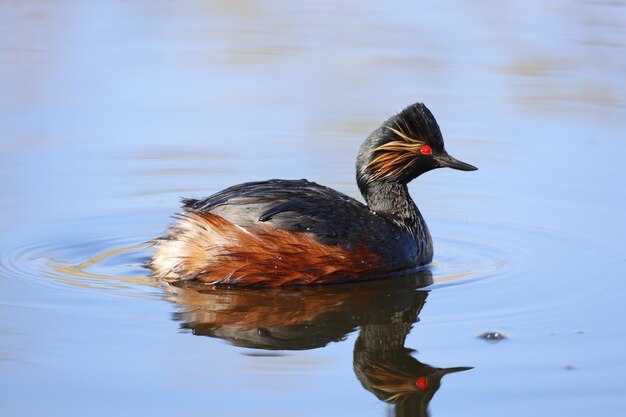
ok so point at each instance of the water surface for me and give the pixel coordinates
(112, 111)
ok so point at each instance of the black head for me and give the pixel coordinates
(404, 147)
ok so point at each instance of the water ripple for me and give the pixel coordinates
(59, 266)
(482, 252)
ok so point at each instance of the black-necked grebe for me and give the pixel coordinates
(286, 232)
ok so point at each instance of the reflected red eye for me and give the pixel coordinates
(421, 383)
(425, 150)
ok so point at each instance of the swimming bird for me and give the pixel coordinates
(296, 232)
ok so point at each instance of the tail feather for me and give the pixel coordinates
(188, 203)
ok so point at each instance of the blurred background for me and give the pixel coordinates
(111, 111)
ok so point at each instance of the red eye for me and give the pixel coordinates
(421, 383)
(425, 150)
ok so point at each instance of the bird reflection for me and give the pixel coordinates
(386, 368)
(312, 317)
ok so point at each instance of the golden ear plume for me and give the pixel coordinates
(396, 156)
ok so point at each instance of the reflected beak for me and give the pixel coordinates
(446, 160)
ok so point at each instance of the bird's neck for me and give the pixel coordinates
(392, 200)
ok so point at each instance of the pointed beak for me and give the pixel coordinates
(441, 372)
(446, 160)
(456, 369)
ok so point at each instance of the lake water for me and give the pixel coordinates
(111, 111)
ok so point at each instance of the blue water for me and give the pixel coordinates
(112, 111)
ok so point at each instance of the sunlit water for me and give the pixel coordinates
(110, 112)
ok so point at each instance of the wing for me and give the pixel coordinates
(327, 215)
